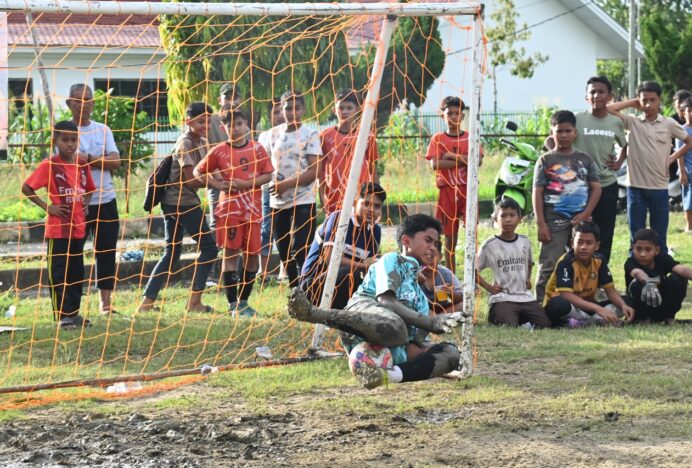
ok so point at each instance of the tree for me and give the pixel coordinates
(503, 36)
(263, 56)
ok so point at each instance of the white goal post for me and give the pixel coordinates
(391, 12)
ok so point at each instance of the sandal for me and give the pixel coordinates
(71, 322)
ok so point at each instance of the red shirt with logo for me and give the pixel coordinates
(245, 163)
(67, 184)
(442, 143)
(337, 151)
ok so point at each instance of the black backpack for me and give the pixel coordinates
(157, 183)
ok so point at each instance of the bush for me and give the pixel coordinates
(21, 211)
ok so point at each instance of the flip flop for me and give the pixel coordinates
(206, 310)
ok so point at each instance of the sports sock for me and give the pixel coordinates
(248, 282)
(230, 281)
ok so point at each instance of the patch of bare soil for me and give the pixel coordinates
(294, 431)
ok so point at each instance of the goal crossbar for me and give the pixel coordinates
(232, 9)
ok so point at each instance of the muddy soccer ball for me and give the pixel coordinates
(369, 355)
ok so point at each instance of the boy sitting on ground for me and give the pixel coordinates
(657, 284)
(361, 246)
(508, 255)
(389, 309)
(441, 286)
(570, 294)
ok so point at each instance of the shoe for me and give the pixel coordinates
(577, 323)
(527, 326)
(370, 376)
(71, 322)
(244, 309)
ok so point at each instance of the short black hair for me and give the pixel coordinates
(348, 95)
(588, 227)
(452, 101)
(65, 126)
(649, 87)
(374, 188)
(647, 235)
(229, 114)
(687, 103)
(198, 108)
(416, 223)
(275, 101)
(563, 116)
(229, 89)
(681, 95)
(295, 96)
(600, 79)
(507, 203)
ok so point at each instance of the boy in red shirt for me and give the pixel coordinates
(245, 164)
(338, 145)
(70, 186)
(448, 153)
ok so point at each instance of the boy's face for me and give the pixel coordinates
(199, 125)
(369, 208)
(507, 219)
(346, 111)
(564, 135)
(237, 129)
(422, 246)
(232, 100)
(650, 103)
(687, 115)
(597, 95)
(81, 103)
(585, 245)
(645, 251)
(293, 112)
(453, 116)
(677, 104)
(277, 116)
(67, 143)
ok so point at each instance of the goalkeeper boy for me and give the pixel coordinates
(390, 309)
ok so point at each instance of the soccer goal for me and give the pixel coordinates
(143, 64)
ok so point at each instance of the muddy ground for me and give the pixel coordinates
(306, 430)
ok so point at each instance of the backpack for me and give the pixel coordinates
(157, 183)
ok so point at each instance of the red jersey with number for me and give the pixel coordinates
(337, 150)
(238, 163)
(67, 184)
(442, 143)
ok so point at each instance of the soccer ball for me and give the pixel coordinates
(369, 355)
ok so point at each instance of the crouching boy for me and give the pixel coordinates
(508, 255)
(389, 309)
(657, 284)
(570, 295)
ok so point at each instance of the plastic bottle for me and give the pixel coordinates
(124, 387)
(11, 311)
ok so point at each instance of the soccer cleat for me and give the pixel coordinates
(370, 376)
(244, 309)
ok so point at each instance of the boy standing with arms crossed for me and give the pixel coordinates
(338, 147)
(649, 159)
(448, 153)
(565, 192)
(245, 165)
(70, 186)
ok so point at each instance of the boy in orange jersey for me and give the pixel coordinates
(338, 146)
(245, 164)
(448, 153)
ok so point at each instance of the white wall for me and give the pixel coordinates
(572, 47)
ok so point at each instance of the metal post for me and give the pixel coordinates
(371, 99)
(466, 360)
(631, 58)
(4, 88)
(39, 62)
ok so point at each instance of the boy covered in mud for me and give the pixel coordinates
(389, 309)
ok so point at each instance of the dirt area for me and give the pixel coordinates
(304, 430)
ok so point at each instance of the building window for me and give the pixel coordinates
(21, 91)
(150, 94)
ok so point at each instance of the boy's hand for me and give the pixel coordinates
(608, 315)
(544, 233)
(220, 185)
(528, 284)
(614, 164)
(683, 177)
(579, 218)
(628, 311)
(237, 184)
(495, 288)
(62, 211)
(277, 188)
(670, 161)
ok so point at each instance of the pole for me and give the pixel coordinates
(4, 89)
(371, 99)
(631, 59)
(41, 71)
(466, 360)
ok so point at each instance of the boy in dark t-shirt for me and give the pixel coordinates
(657, 284)
(362, 244)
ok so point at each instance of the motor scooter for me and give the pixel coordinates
(515, 177)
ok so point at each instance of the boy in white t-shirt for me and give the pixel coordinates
(508, 255)
(294, 151)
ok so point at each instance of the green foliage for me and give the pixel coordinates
(402, 135)
(263, 56)
(21, 211)
(616, 71)
(31, 128)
